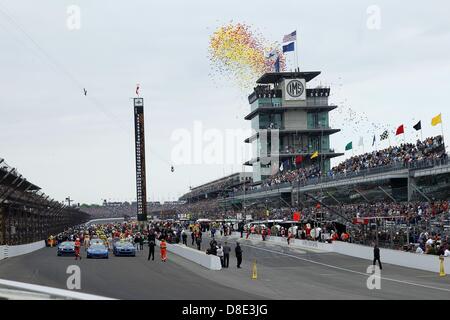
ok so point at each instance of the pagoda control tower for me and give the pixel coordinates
(290, 124)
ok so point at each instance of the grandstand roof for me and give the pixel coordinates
(222, 179)
(11, 177)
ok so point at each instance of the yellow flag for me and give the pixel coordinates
(436, 120)
(315, 155)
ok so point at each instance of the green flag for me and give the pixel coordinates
(349, 146)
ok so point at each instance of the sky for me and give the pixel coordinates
(386, 62)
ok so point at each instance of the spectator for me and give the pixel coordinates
(238, 251)
(220, 254)
(376, 256)
(226, 255)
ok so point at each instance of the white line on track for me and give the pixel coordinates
(347, 270)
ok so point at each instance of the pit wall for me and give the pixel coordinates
(197, 256)
(396, 257)
(13, 251)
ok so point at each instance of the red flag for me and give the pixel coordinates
(298, 159)
(296, 216)
(400, 130)
(360, 221)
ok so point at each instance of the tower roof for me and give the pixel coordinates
(276, 77)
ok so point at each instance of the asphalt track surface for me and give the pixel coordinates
(283, 273)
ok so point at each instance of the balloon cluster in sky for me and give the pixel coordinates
(239, 54)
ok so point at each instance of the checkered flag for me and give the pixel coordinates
(385, 135)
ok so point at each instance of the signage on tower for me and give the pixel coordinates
(138, 102)
(294, 89)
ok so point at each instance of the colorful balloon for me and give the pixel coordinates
(237, 54)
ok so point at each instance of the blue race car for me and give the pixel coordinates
(124, 248)
(96, 241)
(66, 248)
(97, 251)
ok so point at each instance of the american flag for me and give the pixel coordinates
(290, 37)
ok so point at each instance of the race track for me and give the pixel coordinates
(283, 273)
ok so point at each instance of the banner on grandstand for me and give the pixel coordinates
(360, 221)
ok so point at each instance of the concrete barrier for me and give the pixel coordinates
(396, 257)
(208, 261)
(12, 251)
(297, 243)
(425, 262)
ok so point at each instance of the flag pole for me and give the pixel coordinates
(296, 49)
(442, 132)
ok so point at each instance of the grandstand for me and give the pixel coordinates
(393, 196)
(123, 209)
(218, 187)
(407, 172)
(27, 214)
(399, 192)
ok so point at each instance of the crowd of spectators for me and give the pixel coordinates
(429, 149)
(405, 154)
(121, 209)
(203, 208)
(117, 210)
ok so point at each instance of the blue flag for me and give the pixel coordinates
(288, 47)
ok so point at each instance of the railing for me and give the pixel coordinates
(304, 151)
(423, 164)
(264, 93)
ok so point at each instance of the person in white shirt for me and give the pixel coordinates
(219, 253)
(447, 253)
(110, 243)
